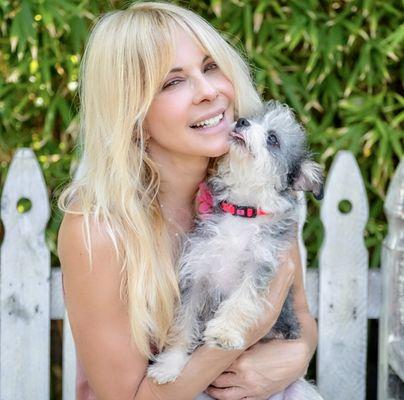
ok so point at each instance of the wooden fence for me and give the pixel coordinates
(343, 294)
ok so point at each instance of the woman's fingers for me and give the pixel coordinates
(283, 280)
(280, 285)
(226, 379)
(231, 393)
(277, 292)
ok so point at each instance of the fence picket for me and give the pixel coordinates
(301, 221)
(25, 284)
(343, 285)
(58, 311)
(391, 326)
(69, 362)
(343, 294)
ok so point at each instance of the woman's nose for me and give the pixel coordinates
(204, 89)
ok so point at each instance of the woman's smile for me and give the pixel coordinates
(217, 124)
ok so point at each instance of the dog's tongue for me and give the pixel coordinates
(237, 135)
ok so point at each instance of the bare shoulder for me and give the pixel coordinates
(98, 317)
(73, 244)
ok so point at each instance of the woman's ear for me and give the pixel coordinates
(308, 178)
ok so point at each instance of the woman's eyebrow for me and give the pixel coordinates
(179, 69)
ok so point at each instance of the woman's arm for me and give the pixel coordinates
(98, 318)
(268, 368)
(101, 329)
(207, 363)
(301, 307)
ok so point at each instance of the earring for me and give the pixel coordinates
(146, 138)
(138, 140)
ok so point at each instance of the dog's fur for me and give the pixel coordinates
(228, 261)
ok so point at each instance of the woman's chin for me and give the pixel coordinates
(219, 150)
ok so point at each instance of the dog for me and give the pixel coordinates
(230, 257)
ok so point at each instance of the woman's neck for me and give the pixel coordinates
(179, 178)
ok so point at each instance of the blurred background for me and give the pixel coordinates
(336, 63)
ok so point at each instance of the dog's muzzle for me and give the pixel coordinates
(241, 124)
(238, 130)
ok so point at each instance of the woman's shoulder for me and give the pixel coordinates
(78, 238)
(72, 217)
(74, 222)
(87, 256)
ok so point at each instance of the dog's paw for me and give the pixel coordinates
(160, 374)
(168, 366)
(223, 337)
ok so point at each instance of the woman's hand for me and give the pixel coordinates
(275, 298)
(266, 368)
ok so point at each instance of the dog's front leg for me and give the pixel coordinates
(183, 338)
(168, 365)
(236, 315)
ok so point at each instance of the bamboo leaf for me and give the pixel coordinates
(396, 139)
(248, 27)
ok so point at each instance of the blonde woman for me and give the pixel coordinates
(148, 73)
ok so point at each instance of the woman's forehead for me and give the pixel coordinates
(186, 44)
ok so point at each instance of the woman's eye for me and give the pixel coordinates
(211, 66)
(175, 82)
(171, 83)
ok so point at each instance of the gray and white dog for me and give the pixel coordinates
(230, 257)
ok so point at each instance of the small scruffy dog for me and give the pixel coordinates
(230, 257)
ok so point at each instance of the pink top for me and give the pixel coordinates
(205, 200)
(83, 389)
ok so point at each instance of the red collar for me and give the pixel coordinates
(241, 211)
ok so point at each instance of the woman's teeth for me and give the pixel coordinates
(209, 122)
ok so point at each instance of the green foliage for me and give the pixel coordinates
(40, 51)
(336, 63)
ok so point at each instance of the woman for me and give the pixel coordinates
(148, 73)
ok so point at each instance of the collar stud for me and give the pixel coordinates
(241, 211)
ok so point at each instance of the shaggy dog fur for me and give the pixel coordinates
(228, 261)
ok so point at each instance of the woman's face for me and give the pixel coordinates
(195, 91)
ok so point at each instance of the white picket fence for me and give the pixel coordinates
(343, 294)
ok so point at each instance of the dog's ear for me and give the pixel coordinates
(308, 178)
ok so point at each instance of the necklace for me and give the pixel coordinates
(167, 214)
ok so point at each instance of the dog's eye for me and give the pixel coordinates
(272, 140)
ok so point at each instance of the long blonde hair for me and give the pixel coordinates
(127, 56)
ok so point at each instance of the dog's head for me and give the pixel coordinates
(269, 150)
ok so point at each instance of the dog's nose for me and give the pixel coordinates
(242, 122)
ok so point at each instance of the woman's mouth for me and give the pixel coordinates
(210, 124)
